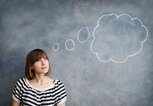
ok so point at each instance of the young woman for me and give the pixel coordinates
(37, 89)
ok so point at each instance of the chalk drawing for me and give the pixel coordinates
(83, 35)
(125, 21)
(55, 46)
(69, 45)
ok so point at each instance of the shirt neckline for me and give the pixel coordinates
(43, 89)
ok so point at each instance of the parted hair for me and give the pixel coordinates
(32, 57)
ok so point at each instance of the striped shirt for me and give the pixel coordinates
(27, 95)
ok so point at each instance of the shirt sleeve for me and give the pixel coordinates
(62, 96)
(16, 95)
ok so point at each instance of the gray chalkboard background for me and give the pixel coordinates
(101, 49)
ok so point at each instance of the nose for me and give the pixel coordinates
(42, 61)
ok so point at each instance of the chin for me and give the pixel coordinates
(45, 72)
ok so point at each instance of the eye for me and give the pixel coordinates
(37, 60)
(45, 58)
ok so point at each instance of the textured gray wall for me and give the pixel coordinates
(101, 50)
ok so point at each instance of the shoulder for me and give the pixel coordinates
(60, 91)
(20, 82)
(59, 83)
(56, 81)
(19, 86)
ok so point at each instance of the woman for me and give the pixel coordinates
(37, 89)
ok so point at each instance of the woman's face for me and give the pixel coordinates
(41, 66)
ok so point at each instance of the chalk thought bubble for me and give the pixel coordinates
(69, 45)
(118, 37)
(55, 46)
(83, 35)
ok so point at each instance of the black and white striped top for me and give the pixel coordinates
(27, 95)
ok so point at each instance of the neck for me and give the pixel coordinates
(40, 79)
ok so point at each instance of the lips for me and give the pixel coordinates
(43, 67)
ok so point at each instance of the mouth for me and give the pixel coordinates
(43, 67)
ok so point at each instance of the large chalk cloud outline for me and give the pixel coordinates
(118, 37)
(115, 38)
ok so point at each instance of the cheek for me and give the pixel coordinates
(47, 63)
(35, 66)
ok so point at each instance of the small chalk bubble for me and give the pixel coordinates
(69, 45)
(83, 35)
(55, 46)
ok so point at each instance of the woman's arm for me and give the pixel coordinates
(61, 104)
(15, 103)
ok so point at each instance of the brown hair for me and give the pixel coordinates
(32, 57)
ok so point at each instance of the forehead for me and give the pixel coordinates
(40, 55)
(36, 56)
